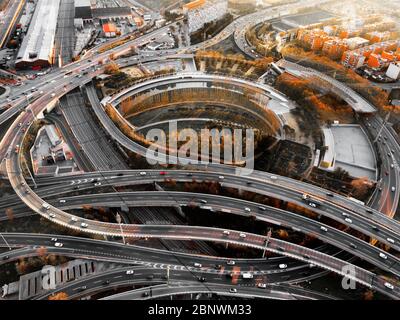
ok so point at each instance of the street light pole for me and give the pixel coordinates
(383, 124)
(30, 109)
(266, 242)
(30, 174)
(168, 276)
(5, 241)
(119, 220)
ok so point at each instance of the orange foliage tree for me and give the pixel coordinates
(59, 296)
(10, 214)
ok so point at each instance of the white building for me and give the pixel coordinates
(393, 71)
(38, 44)
(356, 42)
(160, 23)
(53, 135)
(83, 12)
(208, 12)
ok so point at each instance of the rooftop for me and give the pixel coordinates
(82, 3)
(38, 42)
(111, 12)
(305, 19)
(109, 27)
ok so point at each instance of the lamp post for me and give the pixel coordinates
(168, 276)
(381, 128)
(119, 220)
(266, 242)
(5, 241)
(31, 110)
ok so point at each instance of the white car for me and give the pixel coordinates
(382, 255)
(58, 244)
(130, 271)
(97, 184)
(247, 209)
(230, 263)
(324, 229)
(226, 233)
(142, 173)
(54, 239)
(348, 220)
(242, 235)
(52, 215)
(74, 219)
(197, 265)
(393, 189)
(282, 266)
(63, 201)
(262, 285)
(344, 214)
(233, 290)
(390, 240)
(388, 285)
(221, 177)
(84, 225)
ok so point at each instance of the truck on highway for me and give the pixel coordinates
(45, 206)
(206, 208)
(356, 200)
(247, 275)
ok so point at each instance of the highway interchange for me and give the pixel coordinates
(369, 221)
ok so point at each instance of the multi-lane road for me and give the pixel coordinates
(8, 18)
(65, 185)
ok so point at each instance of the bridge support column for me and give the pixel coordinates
(177, 208)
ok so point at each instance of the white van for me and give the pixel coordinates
(382, 255)
(388, 285)
(390, 240)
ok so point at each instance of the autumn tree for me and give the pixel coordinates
(10, 214)
(22, 266)
(368, 295)
(283, 234)
(59, 296)
(41, 252)
(111, 68)
(361, 186)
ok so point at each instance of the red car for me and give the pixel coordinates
(163, 173)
